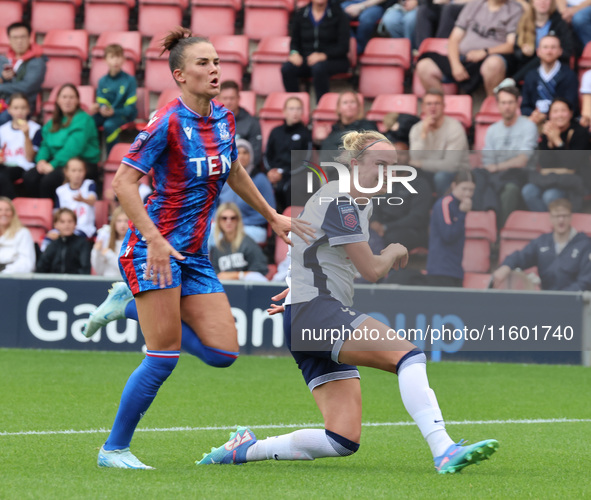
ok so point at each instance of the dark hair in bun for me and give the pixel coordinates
(176, 42)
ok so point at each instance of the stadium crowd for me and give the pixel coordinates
(504, 97)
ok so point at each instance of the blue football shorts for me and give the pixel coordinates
(318, 359)
(195, 275)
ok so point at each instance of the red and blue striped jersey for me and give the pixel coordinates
(191, 156)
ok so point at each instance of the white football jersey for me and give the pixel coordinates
(322, 267)
(84, 212)
(12, 143)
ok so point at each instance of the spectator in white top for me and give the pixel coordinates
(19, 141)
(17, 250)
(585, 92)
(104, 257)
(79, 195)
(438, 143)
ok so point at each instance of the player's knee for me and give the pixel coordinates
(343, 446)
(410, 358)
(219, 358)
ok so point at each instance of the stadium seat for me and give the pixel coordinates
(99, 68)
(214, 17)
(267, 60)
(585, 60)
(153, 15)
(476, 280)
(87, 98)
(233, 52)
(476, 256)
(108, 185)
(49, 15)
(325, 116)
(460, 108)
(248, 101)
(352, 56)
(143, 105)
(266, 18)
(481, 231)
(482, 225)
(391, 103)
(281, 247)
(36, 214)
(157, 76)
(438, 45)
(520, 228)
(67, 51)
(101, 16)
(271, 114)
(4, 45)
(101, 213)
(382, 66)
(582, 223)
(131, 41)
(167, 95)
(12, 12)
(488, 114)
(116, 154)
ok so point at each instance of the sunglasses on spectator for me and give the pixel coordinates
(230, 217)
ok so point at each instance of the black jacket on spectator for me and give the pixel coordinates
(282, 141)
(249, 128)
(248, 257)
(66, 255)
(562, 31)
(567, 87)
(570, 270)
(334, 139)
(407, 223)
(330, 36)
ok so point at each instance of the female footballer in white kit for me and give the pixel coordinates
(321, 297)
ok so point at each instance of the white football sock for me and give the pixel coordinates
(305, 444)
(421, 404)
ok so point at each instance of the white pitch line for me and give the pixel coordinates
(292, 426)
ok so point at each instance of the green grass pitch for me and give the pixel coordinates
(79, 391)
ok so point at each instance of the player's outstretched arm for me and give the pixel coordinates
(243, 186)
(373, 267)
(159, 250)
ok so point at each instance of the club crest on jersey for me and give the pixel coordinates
(139, 141)
(188, 132)
(224, 134)
(349, 217)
